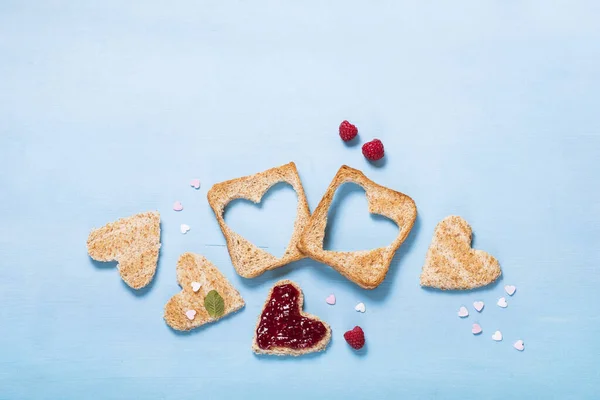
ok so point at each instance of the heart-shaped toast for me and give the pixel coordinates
(133, 242)
(451, 263)
(366, 268)
(206, 294)
(284, 329)
(249, 260)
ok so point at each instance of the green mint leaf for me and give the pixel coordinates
(214, 304)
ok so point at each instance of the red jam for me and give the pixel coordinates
(282, 325)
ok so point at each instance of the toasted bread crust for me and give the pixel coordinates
(451, 263)
(366, 268)
(195, 268)
(249, 260)
(134, 242)
(283, 351)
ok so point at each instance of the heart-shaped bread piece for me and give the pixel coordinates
(134, 242)
(248, 260)
(284, 329)
(366, 268)
(206, 294)
(451, 263)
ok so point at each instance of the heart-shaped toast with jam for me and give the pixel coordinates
(284, 329)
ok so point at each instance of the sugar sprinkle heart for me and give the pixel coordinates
(476, 330)
(519, 345)
(330, 299)
(177, 206)
(502, 302)
(190, 314)
(195, 183)
(184, 228)
(196, 286)
(360, 307)
(497, 336)
(478, 305)
(463, 312)
(510, 289)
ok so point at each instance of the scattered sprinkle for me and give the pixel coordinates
(497, 336)
(463, 312)
(510, 289)
(360, 307)
(502, 302)
(184, 228)
(177, 206)
(195, 183)
(478, 305)
(330, 299)
(190, 314)
(519, 345)
(196, 286)
(476, 330)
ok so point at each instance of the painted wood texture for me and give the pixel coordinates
(488, 110)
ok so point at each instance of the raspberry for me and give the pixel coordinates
(373, 150)
(347, 131)
(355, 338)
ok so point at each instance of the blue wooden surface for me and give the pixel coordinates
(488, 109)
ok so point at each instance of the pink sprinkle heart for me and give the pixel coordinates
(476, 330)
(190, 314)
(463, 312)
(510, 289)
(478, 305)
(330, 299)
(177, 206)
(519, 345)
(195, 183)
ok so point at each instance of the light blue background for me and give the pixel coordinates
(487, 109)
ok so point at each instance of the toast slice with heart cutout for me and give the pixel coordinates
(366, 268)
(134, 242)
(283, 329)
(206, 294)
(451, 263)
(248, 260)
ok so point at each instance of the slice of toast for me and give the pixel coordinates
(366, 268)
(302, 327)
(451, 263)
(248, 260)
(194, 272)
(134, 242)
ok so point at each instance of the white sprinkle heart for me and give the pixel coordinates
(502, 302)
(360, 307)
(195, 183)
(331, 299)
(476, 330)
(184, 228)
(190, 314)
(177, 206)
(478, 305)
(196, 286)
(497, 336)
(510, 289)
(463, 312)
(519, 345)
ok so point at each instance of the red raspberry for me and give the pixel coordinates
(355, 338)
(347, 131)
(373, 150)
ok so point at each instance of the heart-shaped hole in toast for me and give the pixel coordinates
(350, 226)
(248, 259)
(268, 224)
